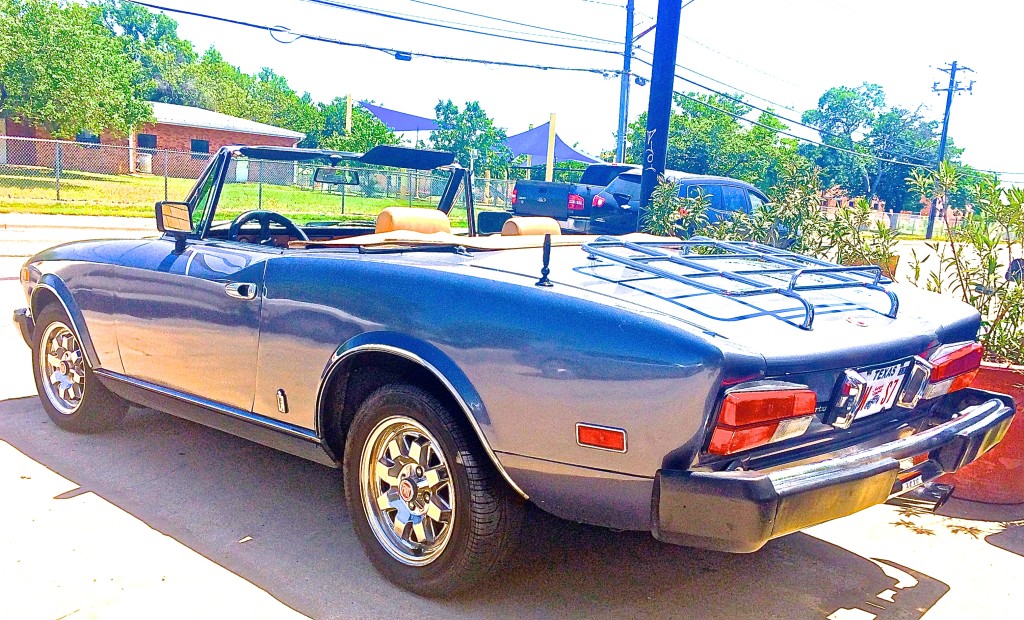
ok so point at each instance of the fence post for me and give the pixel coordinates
(56, 166)
(259, 175)
(165, 175)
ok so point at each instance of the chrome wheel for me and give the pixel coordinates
(406, 490)
(62, 368)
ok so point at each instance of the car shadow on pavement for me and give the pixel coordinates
(210, 491)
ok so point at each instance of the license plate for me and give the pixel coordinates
(884, 385)
(913, 483)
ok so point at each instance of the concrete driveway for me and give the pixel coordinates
(167, 519)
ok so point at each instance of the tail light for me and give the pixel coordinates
(597, 202)
(954, 367)
(575, 202)
(760, 414)
(515, 196)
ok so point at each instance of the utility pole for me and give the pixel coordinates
(953, 88)
(659, 109)
(627, 59)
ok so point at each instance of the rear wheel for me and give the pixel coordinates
(71, 394)
(429, 509)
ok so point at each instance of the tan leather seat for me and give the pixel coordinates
(426, 221)
(514, 226)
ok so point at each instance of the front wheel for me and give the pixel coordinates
(429, 509)
(71, 394)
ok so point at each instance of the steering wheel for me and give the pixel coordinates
(265, 218)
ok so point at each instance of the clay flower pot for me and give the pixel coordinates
(997, 477)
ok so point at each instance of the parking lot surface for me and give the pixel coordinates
(167, 519)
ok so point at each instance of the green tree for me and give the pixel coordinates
(152, 40)
(706, 140)
(63, 71)
(367, 130)
(471, 131)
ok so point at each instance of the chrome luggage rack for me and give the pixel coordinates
(765, 261)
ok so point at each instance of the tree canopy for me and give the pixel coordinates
(60, 70)
(470, 133)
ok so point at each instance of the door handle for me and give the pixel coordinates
(240, 290)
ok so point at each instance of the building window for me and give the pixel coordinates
(88, 140)
(200, 149)
(146, 141)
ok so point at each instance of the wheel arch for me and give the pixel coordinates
(347, 380)
(51, 289)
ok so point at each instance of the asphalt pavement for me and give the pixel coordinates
(164, 518)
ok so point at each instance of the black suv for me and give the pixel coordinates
(616, 210)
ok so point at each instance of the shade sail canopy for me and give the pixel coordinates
(400, 121)
(534, 142)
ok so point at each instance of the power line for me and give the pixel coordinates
(771, 113)
(402, 55)
(515, 23)
(725, 84)
(739, 62)
(424, 22)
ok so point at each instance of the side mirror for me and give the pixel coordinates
(174, 218)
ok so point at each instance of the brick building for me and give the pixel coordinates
(192, 134)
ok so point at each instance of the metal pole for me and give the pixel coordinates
(659, 110)
(259, 173)
(56, 166)
(165, 175)
(549, 169)
(942, 143)
(620, 144)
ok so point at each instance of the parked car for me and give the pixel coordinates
(567, 203)
(616, 210)
(717, 395)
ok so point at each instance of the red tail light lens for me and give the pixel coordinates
(954, 367)
(575, 202)
(515, 196)
(598, 201)
(760, 415)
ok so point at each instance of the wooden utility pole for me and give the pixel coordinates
(953, 88)
(620, 143)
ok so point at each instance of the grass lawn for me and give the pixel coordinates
(26, 189)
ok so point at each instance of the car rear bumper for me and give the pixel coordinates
(23, 317)
(739, 511)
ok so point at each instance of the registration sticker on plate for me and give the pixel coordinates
(884, 385)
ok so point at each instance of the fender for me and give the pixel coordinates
(53, 284)
(430, 358)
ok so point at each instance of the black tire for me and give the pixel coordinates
(91, 407)
(485, 517)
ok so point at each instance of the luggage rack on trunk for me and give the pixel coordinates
(765, 261)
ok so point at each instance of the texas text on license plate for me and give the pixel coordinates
(883, 387)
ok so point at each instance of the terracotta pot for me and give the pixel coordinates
(997, 477)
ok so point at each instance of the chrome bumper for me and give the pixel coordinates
(740, 511)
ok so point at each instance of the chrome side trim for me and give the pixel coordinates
(253, 418)
(383, 348)
(86, 341)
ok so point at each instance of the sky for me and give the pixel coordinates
(785, 51)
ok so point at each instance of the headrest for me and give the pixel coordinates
(427, 221)
(530, 226)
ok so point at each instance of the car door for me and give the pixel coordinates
(189, 321)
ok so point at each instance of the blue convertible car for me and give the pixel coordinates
(457, 365)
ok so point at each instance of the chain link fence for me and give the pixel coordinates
(60, 176)
(82, 177)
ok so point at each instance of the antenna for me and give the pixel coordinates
(545, 270)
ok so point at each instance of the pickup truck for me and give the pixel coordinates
(567, 203)
(616, 210)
